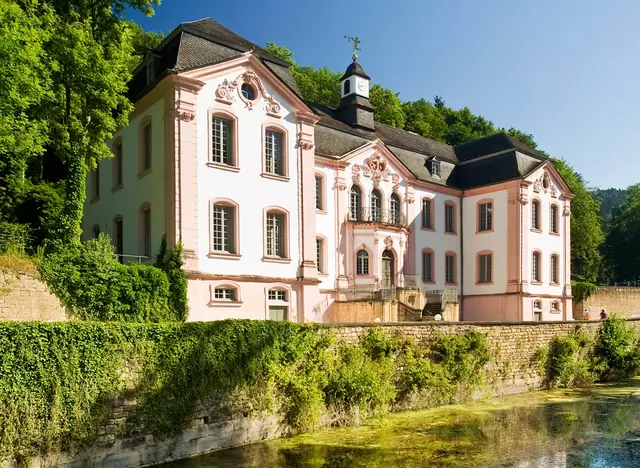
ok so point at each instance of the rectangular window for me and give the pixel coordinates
(147, 147)
(449, 269)
(435, 168)
(427, 267)
(554, 269)
(449, 225)
(554, 219)
(119, 240)
(275, 295)
(426, 214)
(535, 215)
(486, 217)
(275, 235)
(319, 193)
(273, 153)
(146, 226)
(118, 164)
(221, 146)
(225, 294)
(320, 255)
(535, 267)
(223, 226)
(95, 182)
(484, 273)
(278, 313)
(362, 263)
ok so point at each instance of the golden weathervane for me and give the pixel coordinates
(355, 41)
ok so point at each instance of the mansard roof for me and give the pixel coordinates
(486, 161)
(201, 43)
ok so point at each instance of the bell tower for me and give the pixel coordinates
(355, 108)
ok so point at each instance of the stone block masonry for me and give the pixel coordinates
(624, 301)
(220, 423)
(24, 297)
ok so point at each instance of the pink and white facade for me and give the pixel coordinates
(282, 205)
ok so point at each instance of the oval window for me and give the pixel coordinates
(248, 92)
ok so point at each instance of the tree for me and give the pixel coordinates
(387, 106)
(142, 41)
(586, 228)
(425, 119)
(280, 51)
(622, 247)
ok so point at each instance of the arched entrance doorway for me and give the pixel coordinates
(388, 264)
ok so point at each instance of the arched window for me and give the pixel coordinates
(376, 205)
(553, 269)
(116, 165)
(320, 202)
(276, 234)
(145, 230)
(362, 262)
(275, 152)
(321, 251)
(395, 213)
(355, 203)
(553, 222)
(223, 228)
(450, 276)
(223, 140)
(347, 87)
(485, 267)
(536, 275)
(535, 215)
(225, 293)
(449, 217)
(428, 258)
(118, 237)
(145, 149)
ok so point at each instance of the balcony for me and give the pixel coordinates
(376, 215)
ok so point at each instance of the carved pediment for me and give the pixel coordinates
(228, 91)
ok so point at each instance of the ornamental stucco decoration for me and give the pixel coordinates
(340, 183)
(376, 168)
(226, 92)
(388, 242)
(523, 198)
(305, 141)
(566, 211)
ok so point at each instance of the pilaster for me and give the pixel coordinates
(307, 200)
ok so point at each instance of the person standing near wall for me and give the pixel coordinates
(586, 315)
(603, 314)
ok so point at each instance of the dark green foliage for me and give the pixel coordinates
(94, 285)
(58, 380)
(578, 360)
(568, 361)
(582, 290)
(14, 238)
(39, 209)
(616, 353)
(622, 247)
(172, 266)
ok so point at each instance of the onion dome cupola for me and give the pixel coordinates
(355, 108)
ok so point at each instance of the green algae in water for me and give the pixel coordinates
(586, 428)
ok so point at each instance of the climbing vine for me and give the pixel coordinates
(58, 380)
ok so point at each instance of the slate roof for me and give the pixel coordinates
(200, 43)
(466, 166)
(474, 164)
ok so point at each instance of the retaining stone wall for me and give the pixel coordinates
(220, 424)
(623, 301)
(23, 297)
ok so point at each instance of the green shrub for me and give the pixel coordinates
(616, 353)
(13, 238)
(569, 362)
(177, 277)
(94, 285)
(582, 290)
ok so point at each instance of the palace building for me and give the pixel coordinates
(289, 210)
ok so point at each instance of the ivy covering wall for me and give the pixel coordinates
(57, 381)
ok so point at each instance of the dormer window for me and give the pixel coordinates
(435, 168)
(151, 73)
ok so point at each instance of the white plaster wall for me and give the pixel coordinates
(495, 241)
(544, 241)
(436, 240)
(326, 222)
(252, 192)
(135, 190)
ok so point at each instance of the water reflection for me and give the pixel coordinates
(597, 428)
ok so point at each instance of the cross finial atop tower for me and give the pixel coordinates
(355, 41)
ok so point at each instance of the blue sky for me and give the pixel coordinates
(567, 71)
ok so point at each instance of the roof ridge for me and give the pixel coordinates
(414, 134)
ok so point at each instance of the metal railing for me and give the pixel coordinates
(377, 215)
(413, 282)
(123, 258)
(360, 292)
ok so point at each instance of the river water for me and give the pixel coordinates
(593, 428)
